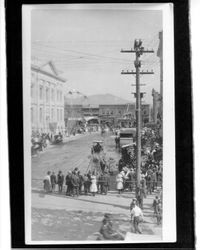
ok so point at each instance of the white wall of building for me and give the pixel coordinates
(47, 102)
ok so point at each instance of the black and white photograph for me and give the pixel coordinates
(99, 133)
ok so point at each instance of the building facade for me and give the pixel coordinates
(158, 97)
(122, 115)
(90, 110)
(47, 99)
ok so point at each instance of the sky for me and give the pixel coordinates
(85, 45)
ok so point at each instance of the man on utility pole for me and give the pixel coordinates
(138, 50)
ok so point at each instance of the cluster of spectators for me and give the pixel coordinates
(39, 141)
(75, 183)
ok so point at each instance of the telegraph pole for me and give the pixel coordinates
(138, 50)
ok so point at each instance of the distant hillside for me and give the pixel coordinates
(96, 100)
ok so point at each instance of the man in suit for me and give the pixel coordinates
(75, 183)
(104, 183)
(131, 178)
(60, 181)
(53, 181)
(68, 183)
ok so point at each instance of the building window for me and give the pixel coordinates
(57, 115)
(61, 115)
(52, 114)
(60, 96)
(47, 94)
(57, 95)
(52, 95)
(111, 112)
(41, 92)
(120, 112)
(32, 115)
(32, 90)
(41, 115)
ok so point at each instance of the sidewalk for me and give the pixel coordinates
(89, 211)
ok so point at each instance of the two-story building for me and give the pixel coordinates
(114, 114)
(47, 99)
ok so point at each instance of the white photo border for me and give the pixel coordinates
(169, 177)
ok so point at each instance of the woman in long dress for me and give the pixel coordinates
(93, 187)
(119, 180)
(47, 182)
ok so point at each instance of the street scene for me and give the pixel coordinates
(96, 125)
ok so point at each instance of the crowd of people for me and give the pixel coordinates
(75, 183)
(39, 141)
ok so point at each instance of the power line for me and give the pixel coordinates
(84, 53)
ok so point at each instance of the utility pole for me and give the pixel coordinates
(141, 97)
(138, 50)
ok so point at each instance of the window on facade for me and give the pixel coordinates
(32, 115)
(41, 115)
(57, 115)
(60, 114)
(52, 95)
(111, 112)
(47, 94)
(60, 96)
(41, 92)
(32, 77)
(32, 90)
(52, 114)
(57, 95)
(107, 112)
(120, 112)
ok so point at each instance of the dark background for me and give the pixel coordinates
(183, 119)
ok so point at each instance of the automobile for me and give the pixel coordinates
(127, 136)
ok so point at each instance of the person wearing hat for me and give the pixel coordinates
(119, 180)
(86, 184)
(53, 181)
(75, 183)
(60, 180)
(131, 178)
(136, 216)
(93, 186)
(105, 183)
(47, 182)
(159, 212)
(68, 183)
(107, 232)
(143, 185)
(155, 204)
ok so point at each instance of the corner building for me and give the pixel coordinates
(47, 99)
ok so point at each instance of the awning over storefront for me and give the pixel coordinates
(75, 119)
(89, 118)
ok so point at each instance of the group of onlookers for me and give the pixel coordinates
(40, 141)
(76, 183)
